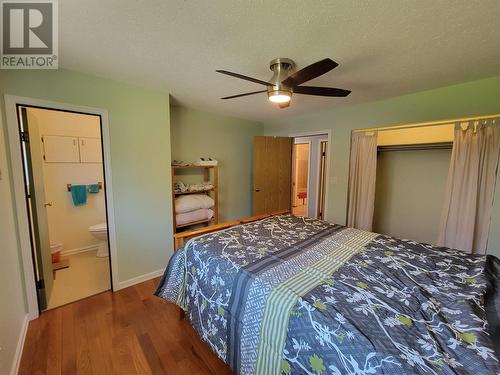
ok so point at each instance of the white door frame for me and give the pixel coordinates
(328, 153)
(16, 164)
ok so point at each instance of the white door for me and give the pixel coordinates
(38, 208)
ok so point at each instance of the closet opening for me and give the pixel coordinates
(66, 203)
(309, 160)
(399, 175)
(409, 189)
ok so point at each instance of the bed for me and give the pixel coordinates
(292, 295)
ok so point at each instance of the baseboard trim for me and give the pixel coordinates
(140, 279)
(20, 345)
(79, 250)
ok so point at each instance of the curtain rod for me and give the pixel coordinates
(416, 147)
(428, 123)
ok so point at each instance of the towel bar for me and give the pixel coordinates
(99, 183)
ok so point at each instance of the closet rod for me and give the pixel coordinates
(416, 147)
(428, 123)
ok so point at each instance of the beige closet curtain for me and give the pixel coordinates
(362, 174)
(470, 186)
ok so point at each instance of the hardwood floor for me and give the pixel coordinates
(127, 332)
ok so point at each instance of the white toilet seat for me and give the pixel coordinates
(103, 227)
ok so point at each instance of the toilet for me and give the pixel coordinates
(100, 231)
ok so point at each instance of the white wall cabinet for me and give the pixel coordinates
(66, 149)
(90, 150)
(60, 149)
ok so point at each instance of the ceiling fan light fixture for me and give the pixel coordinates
(286, 81)
(279, 96)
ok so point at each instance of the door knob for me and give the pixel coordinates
(47, 204)
(257, 190)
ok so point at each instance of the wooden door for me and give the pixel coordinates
(272, 170)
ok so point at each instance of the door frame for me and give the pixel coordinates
(16, 164)
(328, 133)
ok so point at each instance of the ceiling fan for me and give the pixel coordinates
(285, 82)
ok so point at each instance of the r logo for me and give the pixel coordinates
(29, 37)
(27, 28)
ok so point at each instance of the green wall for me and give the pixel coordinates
(140, 157)
(197, 134)
(405, 179)
(474, 98)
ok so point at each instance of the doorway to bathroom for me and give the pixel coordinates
(66, 200)
(299, 178)
(309, 170)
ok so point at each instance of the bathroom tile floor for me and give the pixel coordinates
(87, 275)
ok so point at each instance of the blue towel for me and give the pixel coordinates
(93, 188)
(79, 194)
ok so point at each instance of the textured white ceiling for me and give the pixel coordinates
(384, 48)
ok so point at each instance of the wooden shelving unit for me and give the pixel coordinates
(210, 174)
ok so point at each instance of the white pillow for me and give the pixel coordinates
(191, 202)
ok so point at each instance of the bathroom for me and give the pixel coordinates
(64, 168)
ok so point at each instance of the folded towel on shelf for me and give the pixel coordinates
(93, 188)
(179, 163)
(79, 194)
(187, 203)
(180, 187)
(204, 186)
(206, 162)
(193, 216)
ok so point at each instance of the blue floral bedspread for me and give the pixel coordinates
(290, 295)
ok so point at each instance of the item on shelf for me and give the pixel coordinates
(180, 187)
(194, 216)
(204, 186)
(187, 203)
(180, 163)
(208, 162)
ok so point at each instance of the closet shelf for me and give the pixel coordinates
(194, 223)
(193, 166)
(194, 192)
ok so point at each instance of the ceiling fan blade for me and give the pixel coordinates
(245, 94)
(310, 72)
(255, 80)
(320, 91)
